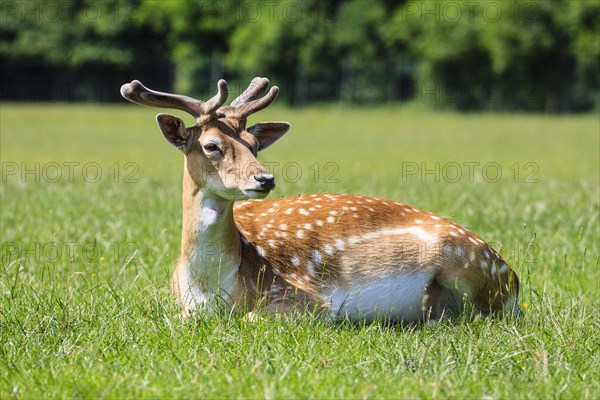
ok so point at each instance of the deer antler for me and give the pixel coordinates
(138, 93)
(253, 99)
(257, 88)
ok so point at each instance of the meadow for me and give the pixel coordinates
(90, 229)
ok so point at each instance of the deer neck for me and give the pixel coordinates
(210, 242)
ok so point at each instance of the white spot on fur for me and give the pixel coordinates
(288, 211)
(208, 215)
(484, 264)
(503, 269)
(283, 227)
(300, 234)
(339, 243)
(310, 267)
(316, 256)
(295, 261)
(319, 222)
(328, 249)
(260, 251)
(435, 217)
(331, 220)
(303, 211)
(447, 249)
(308, 227)
(454, 234)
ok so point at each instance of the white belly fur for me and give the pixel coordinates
(397, 297)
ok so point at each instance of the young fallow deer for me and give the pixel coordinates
(351, 256)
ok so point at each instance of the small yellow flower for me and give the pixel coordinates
(101, 258)
(525, 305)
(93, 275)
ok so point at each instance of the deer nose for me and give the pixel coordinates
(267, 181)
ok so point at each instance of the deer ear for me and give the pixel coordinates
(268, 132)
(173, 129)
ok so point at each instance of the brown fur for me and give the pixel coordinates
(456, 276)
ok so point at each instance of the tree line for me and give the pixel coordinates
(466, 55)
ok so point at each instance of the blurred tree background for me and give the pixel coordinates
(465, 55)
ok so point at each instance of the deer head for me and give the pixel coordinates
(220, 151)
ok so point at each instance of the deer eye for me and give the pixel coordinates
(211, 148)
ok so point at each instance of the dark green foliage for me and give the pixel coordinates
(485, 55)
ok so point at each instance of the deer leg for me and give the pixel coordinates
(439, 302)
(293, 302)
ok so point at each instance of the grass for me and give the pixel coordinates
(86, 309)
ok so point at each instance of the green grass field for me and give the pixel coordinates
(90, 225)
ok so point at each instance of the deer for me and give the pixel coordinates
(351, 257)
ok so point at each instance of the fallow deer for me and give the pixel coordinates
(352, 256)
